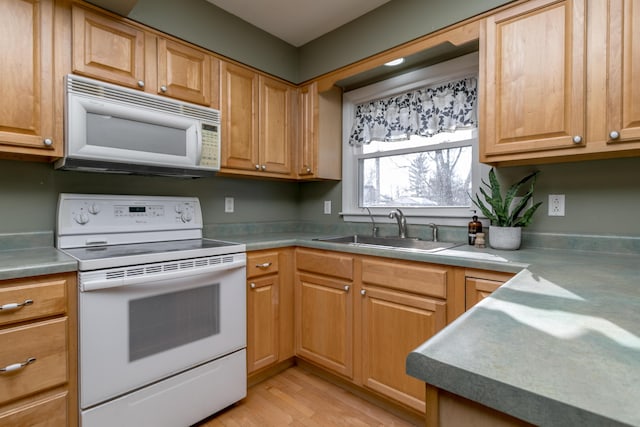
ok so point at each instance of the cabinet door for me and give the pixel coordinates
(479, 284)
(307, 132)
(393, 324)
(276, 128)
(533, 78)
(478, 289)
(239, 87)
(184, 72)
(624, 69)
(324, 322)
(263, 322)
(26, 86)
(107, 49)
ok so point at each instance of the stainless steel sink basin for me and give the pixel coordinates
(410, 244)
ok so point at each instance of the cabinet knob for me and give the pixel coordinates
(252, 285)
(257, 167)
(263, 167)
(577, 139)
(48, 142)
(363, 292)
(308, 170)
(346, 288)
(614, 134)
(140, 83)
(163, 89)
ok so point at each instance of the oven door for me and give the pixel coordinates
(157, 323)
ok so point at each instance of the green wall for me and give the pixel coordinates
(208, 26)
(392, 24)
(29, 193)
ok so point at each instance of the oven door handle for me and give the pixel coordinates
(98, 284)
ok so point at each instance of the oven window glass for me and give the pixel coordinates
(166, 321)
(116, 132)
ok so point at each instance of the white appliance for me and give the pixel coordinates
(162, 311)
(109, 128)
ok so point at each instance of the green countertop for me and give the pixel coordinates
(27, 262)
(557, 345)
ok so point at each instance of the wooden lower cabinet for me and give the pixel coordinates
(393, 324)
(481, 283)
(38, 348)
(403, 305)
(445, 409)
(360, 317)
(324, 310)
(269, 308)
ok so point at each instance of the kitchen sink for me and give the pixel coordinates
(410, 244)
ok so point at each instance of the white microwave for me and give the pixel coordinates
(109, 128)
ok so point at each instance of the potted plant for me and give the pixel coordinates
(505, 231)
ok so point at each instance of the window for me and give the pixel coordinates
(425, 164)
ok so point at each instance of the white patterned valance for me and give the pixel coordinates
(426, 111)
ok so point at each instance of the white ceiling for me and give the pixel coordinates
(298, 21)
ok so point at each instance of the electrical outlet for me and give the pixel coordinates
(327, 207)
(556, 204)
(228, 205)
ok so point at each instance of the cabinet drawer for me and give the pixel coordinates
(420, 279)
(46, 342)
(51, 411)
(47, 298)
(259, 264)
(327, 264)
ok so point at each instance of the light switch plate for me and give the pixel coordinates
(327, 207)
(229, 205)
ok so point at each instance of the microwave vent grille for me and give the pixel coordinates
(130, 97)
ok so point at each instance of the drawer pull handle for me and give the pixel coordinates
(252, 285)
(264, 265)
(16, 305)
(17, 366)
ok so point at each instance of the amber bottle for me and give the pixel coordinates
(475, 226)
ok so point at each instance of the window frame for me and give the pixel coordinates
(464, 66)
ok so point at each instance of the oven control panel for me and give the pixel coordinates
(102, 214)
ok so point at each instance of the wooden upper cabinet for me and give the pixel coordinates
(307, 132)
(623, 71)
(239, 103)
(533, 78)
(258, 130)
(319, 134)
(117, 51)
(108, 50)
(276, 126)
(185, 72)
(27, 110)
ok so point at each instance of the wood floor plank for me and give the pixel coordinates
(299, 398)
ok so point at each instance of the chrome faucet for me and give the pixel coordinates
(402, 222)
(374, 229)
(435, 231)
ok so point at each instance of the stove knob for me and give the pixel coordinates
(94, 209)
(82, 218)
(179, 208)
(186, 216)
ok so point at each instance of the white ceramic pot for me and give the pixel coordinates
(506, 238)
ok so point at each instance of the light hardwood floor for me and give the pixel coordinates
(297, 397)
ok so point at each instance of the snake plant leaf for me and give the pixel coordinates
(499, 210)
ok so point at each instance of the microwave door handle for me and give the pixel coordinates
(198, 146)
